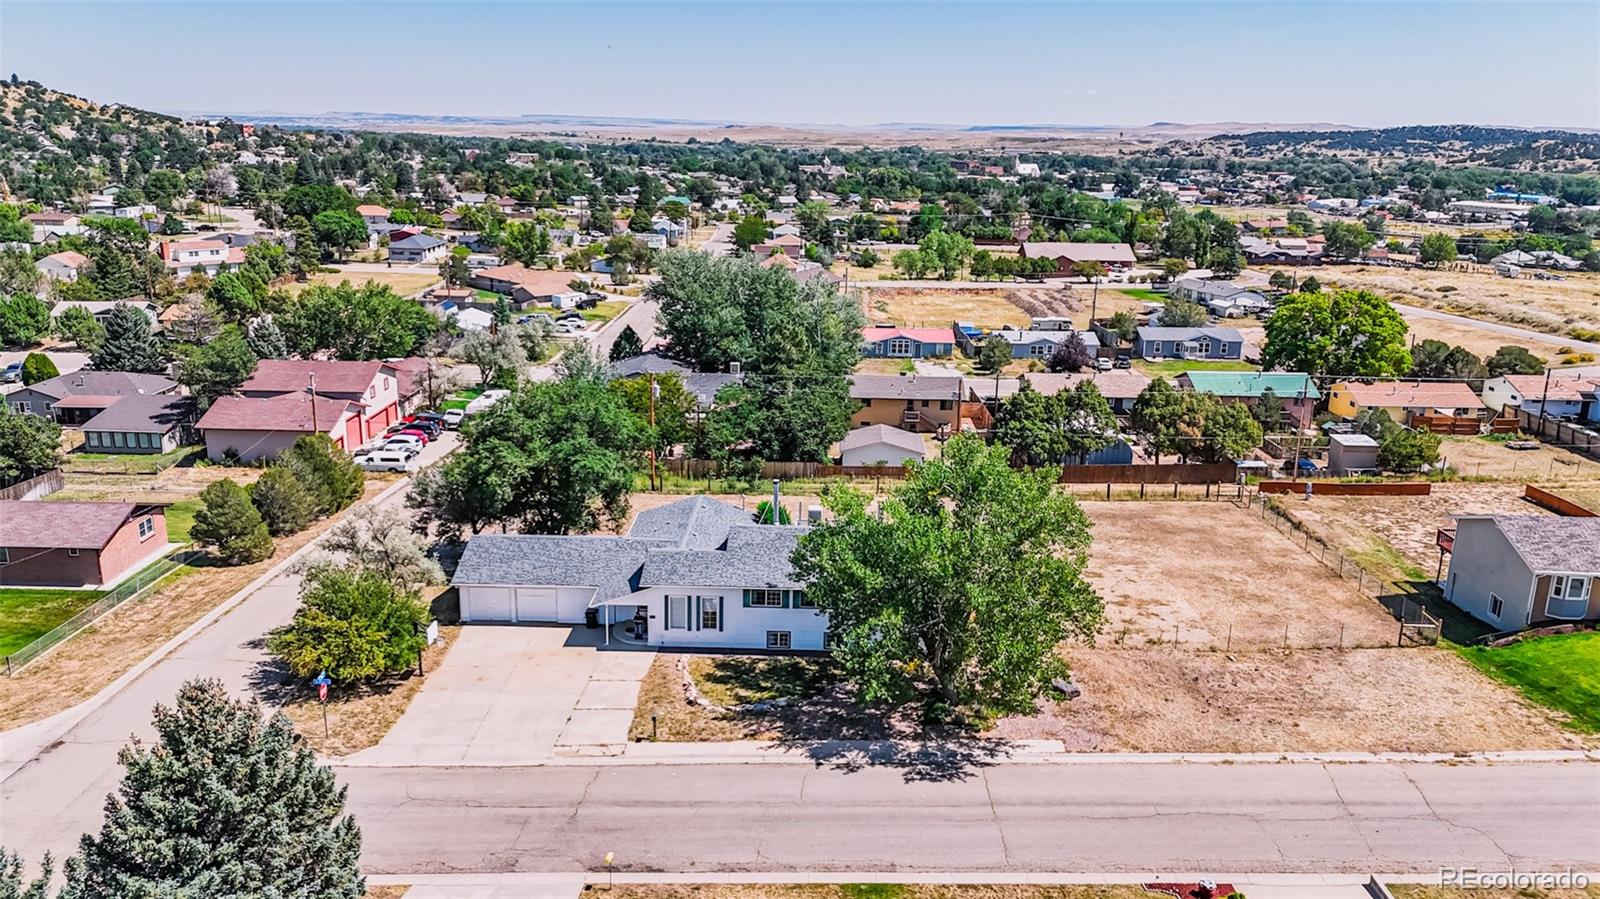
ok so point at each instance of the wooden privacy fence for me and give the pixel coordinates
(40, 485)
(1577, 438)
(1207, 473)
(1556, 504)
(1340, 488)
(1447, 424)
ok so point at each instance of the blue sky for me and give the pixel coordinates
(1518, 63)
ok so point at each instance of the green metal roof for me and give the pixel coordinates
(1253, 383)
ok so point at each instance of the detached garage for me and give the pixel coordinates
(523, 579)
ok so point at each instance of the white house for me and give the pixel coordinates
(375, 217)
(1557, 396)
(63, 266)
(417, 248)
(185, 257)
(881, 444)
(694, 573)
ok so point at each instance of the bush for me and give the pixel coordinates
(356, 627)
(284, 503)
(230, 524)
(332, 477)
(38, 367)
(764, 513)
(1407, 450)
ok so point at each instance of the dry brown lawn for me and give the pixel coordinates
(172, 485)
(404, 283)
(935, 308)
(1586, 495)
(97, 655)
(387, 891)
(1215, 576)
(358, 719)
(1157, 699)
(1552, 306)
(877, 891)
(1474, 457)
(1481, 342)
(1429, 891)
(1393, 537)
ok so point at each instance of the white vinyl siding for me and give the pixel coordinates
(1569, 597)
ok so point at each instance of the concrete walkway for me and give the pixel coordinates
(516, 695)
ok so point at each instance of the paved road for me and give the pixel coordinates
(1271, 817)
(1497, 328)
(63, 788)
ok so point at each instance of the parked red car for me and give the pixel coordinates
(418, 433)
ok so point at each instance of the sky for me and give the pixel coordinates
(1528, 63)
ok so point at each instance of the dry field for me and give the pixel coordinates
(97, 655)
(1475, 457)
(1423, 699)
(1480, 342)
(1215, 576)
(404, 283)
(173, 485)
(1551, 306)
(933, 308)
(1429, 891)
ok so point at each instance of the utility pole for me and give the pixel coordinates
(1544, 401)
(654, 441)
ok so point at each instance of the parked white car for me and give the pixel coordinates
(485, 400)
(454, 417)
(386, 460)
(405, 443)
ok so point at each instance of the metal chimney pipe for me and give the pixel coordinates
(777, 504)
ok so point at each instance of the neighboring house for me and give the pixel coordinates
(1404, 399)
(256, 428)
(881, 445)
(523, 284)
(48, 225)
(375, 217)
(141, 424)
(185, 257)
(1557, 396)
(1114, 256)
(75, 398)
(910, 402)
(374, 386)
(669, 229)
(78, 544)
(102, 309)
(1520, 571)
(1039, 344)
(1221, 298)
(790, 245)
(1297, 391)
(694, 573)
(63, 266)
(418, 248)
(704, 385)
(895, 342)
(1120, 386)
(1189, 343)
(411, 374)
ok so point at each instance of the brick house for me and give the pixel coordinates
(78, 544)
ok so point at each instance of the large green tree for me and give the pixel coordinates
(24, 319)
(333, 478)
(961, 589)
(554, 457)
(1435, 359)
(130, 344)
(217, 367)
(1438, 248)
(1345, 333)
(226, 803)
(29, 444)
(355, 323)
(1513, 360)
(230, 524)
(356, 626)
(1065, 427)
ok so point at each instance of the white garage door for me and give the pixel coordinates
(573, 603)
(536, 604)
(486, 604)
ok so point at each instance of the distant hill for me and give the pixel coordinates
(31, 107)
(1480, 144)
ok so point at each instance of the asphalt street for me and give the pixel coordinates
(729, 817)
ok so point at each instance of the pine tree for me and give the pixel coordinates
(284, 503)
(224, 805)
(266, 339)
(627, 344)
(332, 477)
(38, 367)
(228, 522)
(129, 345)
(13, 886)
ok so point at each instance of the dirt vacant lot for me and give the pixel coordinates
(933, 308)
(1552, 306)
(404, 283)
(1423, 699)
(1475, 457)
(1215, 576)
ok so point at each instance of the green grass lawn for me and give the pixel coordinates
(1142, 293)
(144, 463)
(1179, 366)
(462, 398)
(487, 296)
(604, 311)
(28, 614)
(180, 518)
(1562, 672)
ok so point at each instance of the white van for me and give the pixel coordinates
(385, 460)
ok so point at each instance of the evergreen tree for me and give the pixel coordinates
(230, 524)
(333, 478)
(266, 339)
(224, 805)
(38, 367)
(13, 886)
(129, 345)
(284, 503)
(627, 344)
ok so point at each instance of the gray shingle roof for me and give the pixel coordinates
(875, 434)
(610, 564)
(757, 556)
(104, 383)
(904, 387)
(699, 522)
(144, 414)
(1551, 543)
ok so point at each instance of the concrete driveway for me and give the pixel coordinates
(516, 694)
